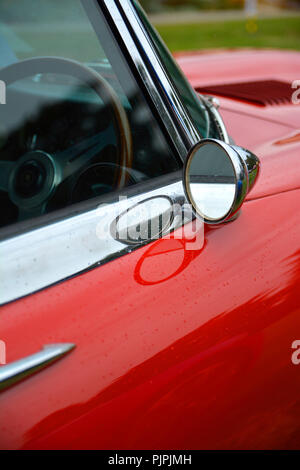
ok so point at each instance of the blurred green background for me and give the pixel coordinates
(263, 33)
(165, 5)
(183, 24)
(205, 24)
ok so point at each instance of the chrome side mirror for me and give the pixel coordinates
(217, 178)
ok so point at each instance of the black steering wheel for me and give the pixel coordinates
(32, 179)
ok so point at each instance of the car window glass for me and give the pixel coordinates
(75, 124)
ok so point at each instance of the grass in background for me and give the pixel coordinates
(282, 33)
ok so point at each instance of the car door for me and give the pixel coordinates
(175, 347)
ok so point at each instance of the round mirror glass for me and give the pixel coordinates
(210, 181)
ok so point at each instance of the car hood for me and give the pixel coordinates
(261, 117)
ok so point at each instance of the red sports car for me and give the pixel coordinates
(150, 265)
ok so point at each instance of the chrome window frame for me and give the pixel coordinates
(47, 254)
(140, 48)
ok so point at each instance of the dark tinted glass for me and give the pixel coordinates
(74, 123)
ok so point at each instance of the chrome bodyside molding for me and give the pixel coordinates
(14, 372)
(34, 260)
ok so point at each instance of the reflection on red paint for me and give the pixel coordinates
(168, 257)
(289, 140)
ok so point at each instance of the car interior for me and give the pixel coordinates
(71, 129)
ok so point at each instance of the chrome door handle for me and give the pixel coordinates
(16, 371)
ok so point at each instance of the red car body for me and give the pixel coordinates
(180, 349)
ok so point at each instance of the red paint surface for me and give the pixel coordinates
(202, 360)
(176, 348)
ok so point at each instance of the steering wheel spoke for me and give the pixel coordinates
(75, 157)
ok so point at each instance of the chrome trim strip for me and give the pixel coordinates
(34, 260)
(212, 104)
(14, 372)
(190, 133)
(174, 116)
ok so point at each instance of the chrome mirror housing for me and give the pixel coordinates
(217, 177)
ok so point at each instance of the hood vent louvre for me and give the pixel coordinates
(262, 93)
